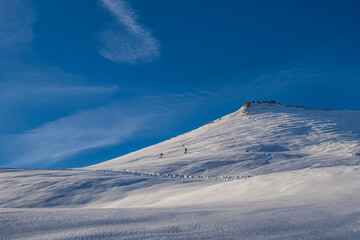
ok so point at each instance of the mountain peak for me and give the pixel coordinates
(256, 107)
(261, 137)
(251, 105)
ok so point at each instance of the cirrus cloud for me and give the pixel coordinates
(126, 41)
(16, 18)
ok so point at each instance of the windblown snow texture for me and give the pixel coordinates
(262, 138)
(267, 171)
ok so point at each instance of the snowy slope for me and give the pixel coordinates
(267, 171)
(263, 137)
(98, 189)
(321, 203)
(247, 222)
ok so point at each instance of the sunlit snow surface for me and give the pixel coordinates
(267, 138)
(267, 171)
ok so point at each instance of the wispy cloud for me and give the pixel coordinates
(16, 17)
(99, 127)
(28, 92)
(15, 91)
(31, 95)
(126, 41)
(69, 135)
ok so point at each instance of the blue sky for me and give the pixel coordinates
(85, 81)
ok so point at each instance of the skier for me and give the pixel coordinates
(185, 151)
(161, 155)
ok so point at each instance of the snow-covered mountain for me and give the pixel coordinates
(266, 171)
(259, 138)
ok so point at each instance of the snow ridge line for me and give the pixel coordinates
(178, 176)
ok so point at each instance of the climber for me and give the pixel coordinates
(161, 155)
(185, 150)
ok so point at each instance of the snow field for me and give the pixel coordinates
(244, 222)
(109, 189)
(267, 171)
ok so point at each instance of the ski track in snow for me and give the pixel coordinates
(144, 173)
(178, 176)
